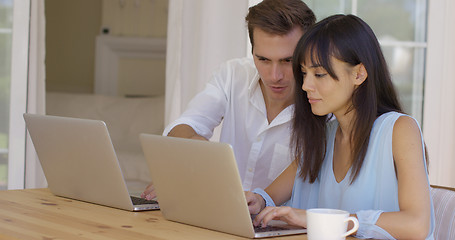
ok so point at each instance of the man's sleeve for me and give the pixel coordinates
(206, 110)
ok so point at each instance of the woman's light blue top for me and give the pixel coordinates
(376, 186)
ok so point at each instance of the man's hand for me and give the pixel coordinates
(149, 192)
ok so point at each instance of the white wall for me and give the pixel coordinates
(144, 18)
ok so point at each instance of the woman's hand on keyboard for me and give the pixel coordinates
(255, 202)
(292, 216)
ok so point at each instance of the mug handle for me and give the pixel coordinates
(356, 226)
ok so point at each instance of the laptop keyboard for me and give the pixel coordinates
(269, 229)
(142, 201)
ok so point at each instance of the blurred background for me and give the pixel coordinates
(99, 58)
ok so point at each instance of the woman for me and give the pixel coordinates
(368, 159)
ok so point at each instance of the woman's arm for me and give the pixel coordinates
(413, 219)
(279, 190)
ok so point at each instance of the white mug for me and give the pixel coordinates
(329, 224)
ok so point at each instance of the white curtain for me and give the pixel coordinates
(201, 35)
(27, 92)
(439, 102)
(34, 176)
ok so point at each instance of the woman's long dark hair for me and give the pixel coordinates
(351, 40)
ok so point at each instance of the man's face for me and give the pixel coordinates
(272, 56)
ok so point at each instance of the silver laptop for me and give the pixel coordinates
(198, 183)
(79, 161)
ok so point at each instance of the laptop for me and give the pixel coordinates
(198, 183)
(79, 161)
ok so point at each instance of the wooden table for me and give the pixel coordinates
(37, 214)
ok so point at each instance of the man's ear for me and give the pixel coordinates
(360, 74)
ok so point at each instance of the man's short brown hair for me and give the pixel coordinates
(279, 17)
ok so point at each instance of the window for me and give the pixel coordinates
(6, 19)
(400, 26)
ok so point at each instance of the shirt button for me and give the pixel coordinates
(258, 139)
(250, 170)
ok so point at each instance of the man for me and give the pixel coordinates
(253, 97)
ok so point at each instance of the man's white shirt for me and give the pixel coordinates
(234, 96)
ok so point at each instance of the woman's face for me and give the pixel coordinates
(326, 94)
